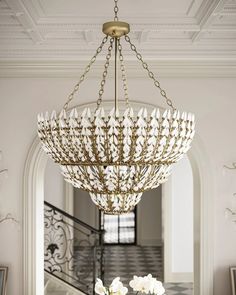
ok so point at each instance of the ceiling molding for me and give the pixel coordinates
(25, 20)
(77, 53)
(55, 32)
(201, 68)
(208, 17)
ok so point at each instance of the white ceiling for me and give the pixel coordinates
(178, 36)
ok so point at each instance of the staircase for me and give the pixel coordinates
(55, 286)
(73, 253)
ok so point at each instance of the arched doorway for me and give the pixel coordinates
(33, 197)
(178, 219)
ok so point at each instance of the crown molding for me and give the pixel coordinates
(208, 16)
(164, 68)
(40, 39)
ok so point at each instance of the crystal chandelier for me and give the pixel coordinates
(116, 156)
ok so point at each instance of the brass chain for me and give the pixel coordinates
(150, 74)
(104, 75)
(116, 9)
(124, 79)
(87, 69)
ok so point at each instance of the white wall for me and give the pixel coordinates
(149, 217)
(85, 209)
(211, 99)
(54, 185)
(182, 217)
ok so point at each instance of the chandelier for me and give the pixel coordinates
(112, 155)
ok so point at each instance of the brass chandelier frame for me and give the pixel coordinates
(115, 30)
(137, 152)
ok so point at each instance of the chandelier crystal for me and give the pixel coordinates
(116, 156)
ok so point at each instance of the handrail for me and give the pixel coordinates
(95, 230)
(73, 249)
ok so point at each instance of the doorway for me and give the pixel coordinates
(33, 196)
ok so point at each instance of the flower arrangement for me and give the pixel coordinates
(147, 285)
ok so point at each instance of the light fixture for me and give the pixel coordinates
(116, 157)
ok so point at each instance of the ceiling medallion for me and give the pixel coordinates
(116, 156)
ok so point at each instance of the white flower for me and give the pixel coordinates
(99, 288)
(136, 284)
(158, 288)
(155, 286)
(147, 285)
(117, 287)
(141, 284)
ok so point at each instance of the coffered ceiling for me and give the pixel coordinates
(59, 36)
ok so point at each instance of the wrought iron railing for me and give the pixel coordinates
(73, 250)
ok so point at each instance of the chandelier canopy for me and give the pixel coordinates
(116, 156)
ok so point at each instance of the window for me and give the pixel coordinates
(119, 229)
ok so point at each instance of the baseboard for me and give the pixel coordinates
(179, 277)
